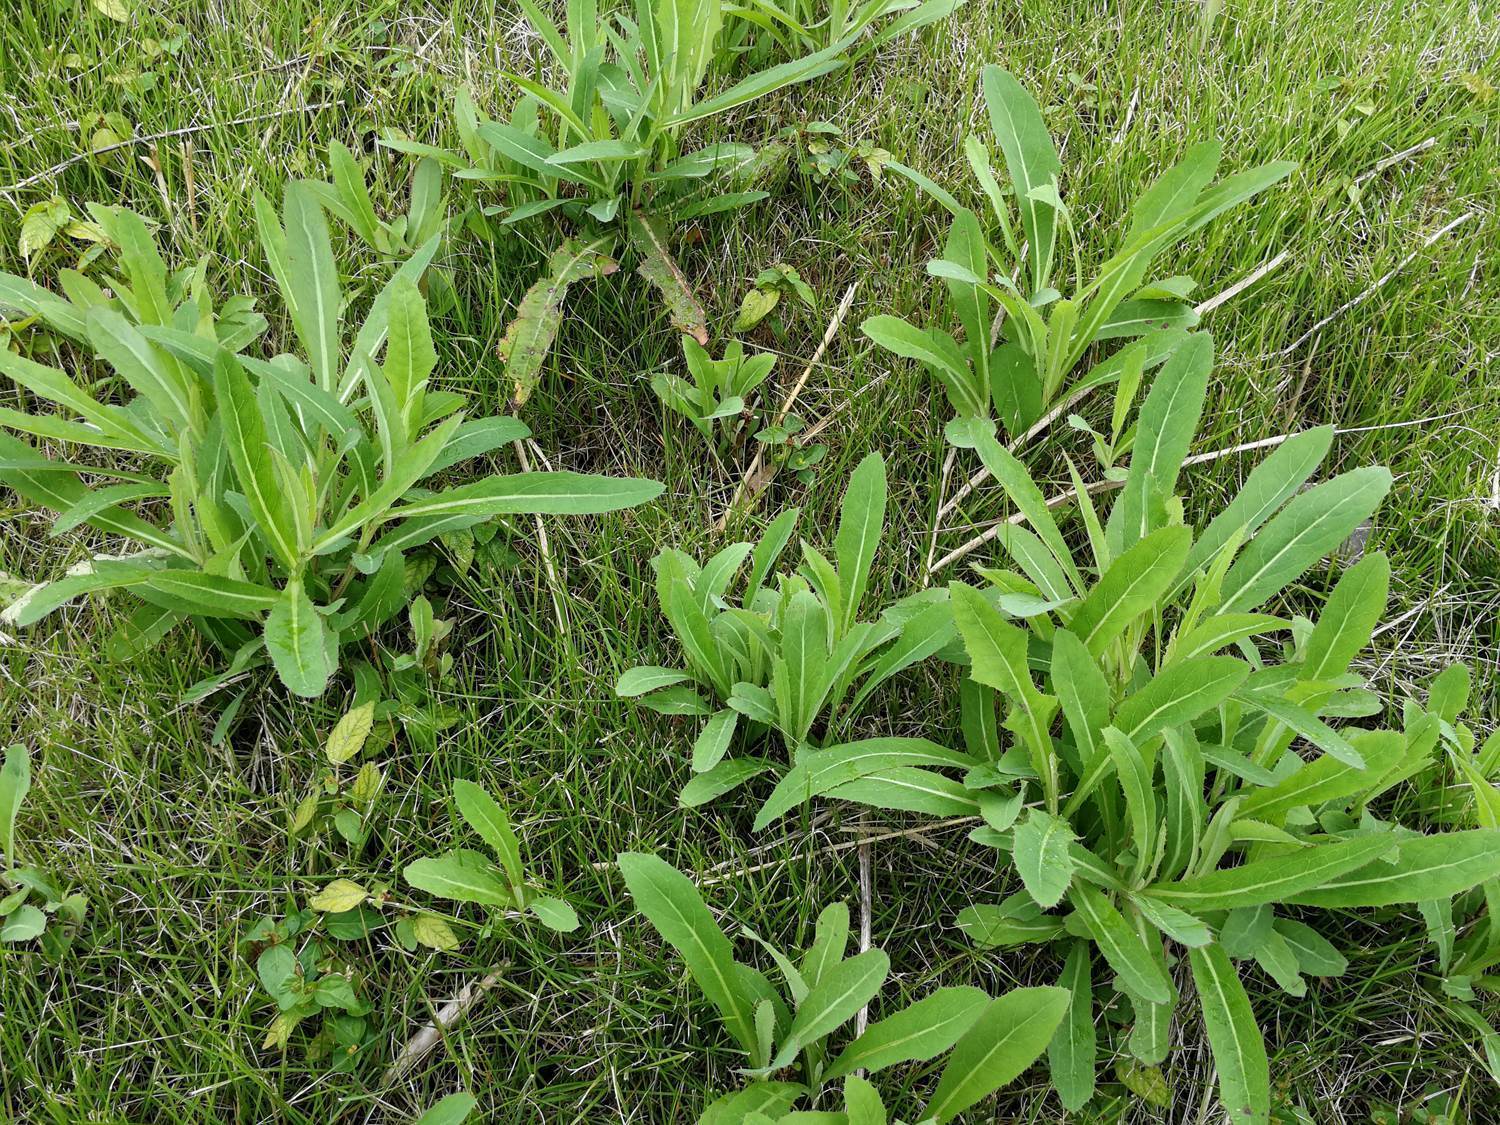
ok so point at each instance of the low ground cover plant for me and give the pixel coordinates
(797, 1028)
(1174, 788)
(793, 658)
(34, 906)
(272, 501)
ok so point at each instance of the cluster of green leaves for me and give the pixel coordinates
(720, 390)
(273, 500)
(771, 284)
(794, 658)
(32, 905)
(1174, 781)
(347, 197)
(306, 977)
(346, 807)
(800, 1025)
(465, 875)
(795, 26)
(1021, 336)
(603, 151)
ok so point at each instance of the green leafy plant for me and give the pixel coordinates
(32, 905)
(603, 150)
(451, 1110)
(1157, 793)
(347, 197)
(307, 979)
(771, 284)
(721, 390)
(811, 25)
(794, 658)
(277, 498)
(1022, 338)
(798, 1027)
(465, 875)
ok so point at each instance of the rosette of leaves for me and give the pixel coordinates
(271, 502)
(720, 390)
(795, 1037)
(308, 979)
(32, 904)
(792, 657)
(1170, 770)
(602, 151)
(465, 875)
(1021, 337)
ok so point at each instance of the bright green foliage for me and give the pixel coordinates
(822, 990)
(465, 875)
(720, 390)
(810, 25)
(794, 657)
(1187, 781)
(32, 905)
(270, 502)
(1022, 337)
(347, 197)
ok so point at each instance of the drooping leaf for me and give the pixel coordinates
(661, 270)
(1426, 867)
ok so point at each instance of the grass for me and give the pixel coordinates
(180, 844)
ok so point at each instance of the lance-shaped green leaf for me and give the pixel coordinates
(659, 268)
(1179, 694)
(1175, 192)
(1028, 499)
(1313, 524)
(672, 904)
(1238, 1049)
(155, 376)
(462, 875)
(861, 520)
(296, 638)
(1011, 1034)
(1071, 1054)
(41, 600)
(15, 783)
(194, 592)
(483, 814)
(825, 770)
(1326, 778)
(1426, 868)
(409, 353)
(312, 290)
(1133, 585)
(1031, 160)
(800, 677)
(841, 992)
(1043, 856)
(759, 1101)
(930, 347)
(1348, 618)
(250, 453)
(531, 331)
(916, 1033)
(830, 938)
(1279, 878)
(1124, 949)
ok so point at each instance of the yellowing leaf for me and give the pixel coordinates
(348, 737)
(280, 1031)
(338, 896)
(117, 10)
(303, 816)
(433, 932)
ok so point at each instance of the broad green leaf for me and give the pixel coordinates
(861, 520)
(713, 740)
(1043, 857)
(824, 770)
(799, 680)
(349, 734)
(483, 814)
(862, 1104)
(1136, 771)
(908, 789)
(646, 678)
(830, 939)
(338, 896)
(15, 783)
(554, 913)
(1083, 692)
(1313, 524)
(767, 1100)
(1134, 584)
(451, 1110)
(297, 639)
(1072, 1052)
(843, 990)
(1238, 1049)
(1122, 947)
(1316, 955)
(1427, 867)
(916, 1033)
(462, 875)
(1177, 924)
(1326, 778)
(409, 353)
(1179, 694)
(761, 83)
(929, 346)
(1028, 499)
(1172, 196)
(672, 904)
(723, 778)
(1031, 159)
(313, 296)
(25, 923)
(1007, 1038)
(1349, 617)
(1281, 878)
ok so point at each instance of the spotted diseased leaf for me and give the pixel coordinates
(530, 333)
(661, 270)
